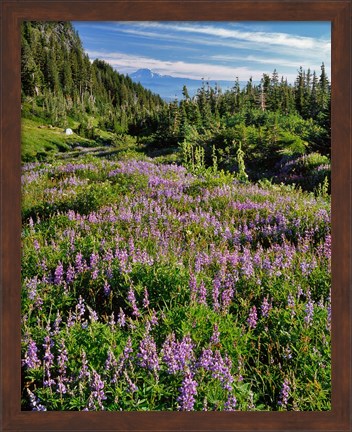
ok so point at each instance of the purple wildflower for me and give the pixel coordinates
(121, 318)
(32, 287)
(48, 362)
(284, 393)
(97, 386)
(111, 362)
(107, 289)
(61, 388)
(252, 319)
(309, 310)
(291, 304)
(215, 338)
(131, 385)
(265, 307)
(206, 359)
(30, 358)
(230, 404)
(84, 372)
(132, 300)
(177, 355)
(57, 323)
(80, 308)
(62, 358)
(146, 298)
(188, 390)
(93, 261)
(58, 275)
(112, 321)
(148, 356)
(154, 318)
(216, 292)
(34, 402)
(80, 263)
(193, 287)
(70, 273)
(202, 291)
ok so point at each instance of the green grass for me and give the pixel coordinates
(40, 141)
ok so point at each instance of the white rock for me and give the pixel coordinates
(68, 131)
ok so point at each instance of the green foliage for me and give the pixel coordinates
(241, 175)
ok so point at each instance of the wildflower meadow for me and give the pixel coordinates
(150, 286)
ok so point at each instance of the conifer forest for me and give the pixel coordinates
(176, 255)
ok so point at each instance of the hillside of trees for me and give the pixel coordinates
(283, 129)
(59, 77)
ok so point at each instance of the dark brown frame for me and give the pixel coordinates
(15, 11)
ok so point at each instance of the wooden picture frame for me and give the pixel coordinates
(13, 12)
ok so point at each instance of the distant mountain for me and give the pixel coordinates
(169, 87)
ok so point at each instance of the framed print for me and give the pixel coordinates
(176, 215)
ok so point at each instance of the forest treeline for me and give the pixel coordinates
(282, 128)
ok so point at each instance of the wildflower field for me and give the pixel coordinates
(147, 287)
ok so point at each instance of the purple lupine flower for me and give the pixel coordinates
(291, 304)
(148, 356)
(252, 319)
(188, 390)
(58, 275)
(110, 362)
(215, 338)
(206, 359)
(202, 293)
(93, 316)
(184, 352)
(97, 387)
(84, 372)
(309, 310)
(131, 385)
(193, 287)
(284, 393)
(80, 308)
(216, 292)
(221, 370)
(48, 362)
(93, 261)
(57, 323)
(61, 388)
(112, 321)
(107, 289)
(32, 288)
(80, 263)
(177, 355)
(265, 307)
(168, 353)
(246, 261)
(121, 318)
(132, 300)
(154, 318)
(329, 313)
(109, 256)
(71, 319)
(230, 404)
(146, 298)
(34, 402)
(62, 358)
(30, 358)
(226, 297)
(70, 274)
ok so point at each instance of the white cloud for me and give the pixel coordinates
(270, 38)
(319, 52)
(127, 63)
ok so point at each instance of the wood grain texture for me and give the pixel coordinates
(12, 13)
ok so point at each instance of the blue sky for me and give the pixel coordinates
(210, 50)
